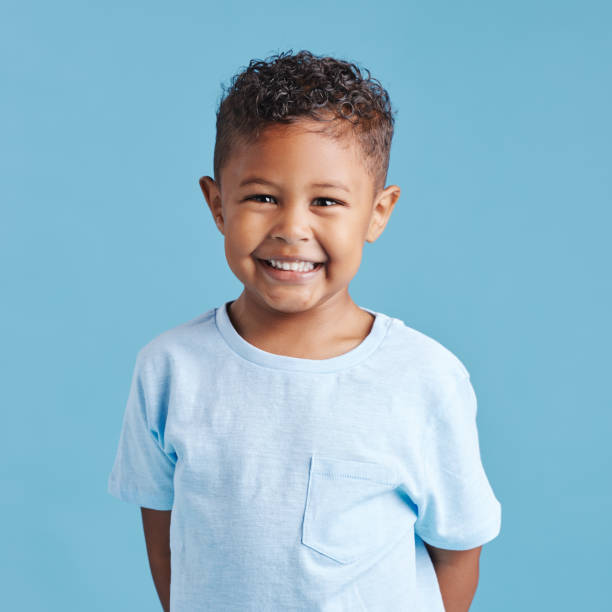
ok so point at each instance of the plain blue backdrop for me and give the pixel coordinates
(498, 248)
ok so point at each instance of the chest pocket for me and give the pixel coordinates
(352, 509)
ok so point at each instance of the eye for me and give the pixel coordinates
(260, 195)
(268, 199)
(327, 200)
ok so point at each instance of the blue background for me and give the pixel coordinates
(498, 249)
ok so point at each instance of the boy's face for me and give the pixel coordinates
(297, 194)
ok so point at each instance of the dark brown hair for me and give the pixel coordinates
(287, 87)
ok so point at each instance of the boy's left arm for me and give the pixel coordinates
(457, 572)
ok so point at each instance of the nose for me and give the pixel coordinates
(291, 223)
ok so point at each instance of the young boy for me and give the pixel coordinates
(289, 449)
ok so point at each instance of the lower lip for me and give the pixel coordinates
(289, 275)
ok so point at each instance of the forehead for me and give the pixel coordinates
(302, 151)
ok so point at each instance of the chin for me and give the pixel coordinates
(290, 306)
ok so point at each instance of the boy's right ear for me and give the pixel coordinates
(212, 195)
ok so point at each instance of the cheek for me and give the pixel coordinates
(346, 242)
(242, 237)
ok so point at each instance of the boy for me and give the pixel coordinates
(289, 449)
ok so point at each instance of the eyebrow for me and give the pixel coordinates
(260, 181)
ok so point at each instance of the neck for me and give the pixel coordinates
(325, 331)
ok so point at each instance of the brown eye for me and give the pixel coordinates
(254, 197)
(327, 200)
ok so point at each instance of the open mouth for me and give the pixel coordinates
(298, 270)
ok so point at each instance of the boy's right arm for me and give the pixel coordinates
(156, 525)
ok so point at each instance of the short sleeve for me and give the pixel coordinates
(143, 471)
(457, 509)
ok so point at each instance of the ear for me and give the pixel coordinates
(381, 211)
(212, 194)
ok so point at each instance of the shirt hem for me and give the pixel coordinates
(154, 502)
(465, 543)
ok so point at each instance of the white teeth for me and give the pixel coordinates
(300, 266)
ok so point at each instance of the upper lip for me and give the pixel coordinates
(291, 258)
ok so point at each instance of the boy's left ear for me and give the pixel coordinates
(383, 206)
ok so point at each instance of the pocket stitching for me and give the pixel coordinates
(336, 475)
(340, 475)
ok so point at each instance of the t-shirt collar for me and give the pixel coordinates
(283, 362)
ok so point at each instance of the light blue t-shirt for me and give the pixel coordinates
(304, 484)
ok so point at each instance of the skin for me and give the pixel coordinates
(289, 216)
(156, 526)
(458, 573)
(286, 214)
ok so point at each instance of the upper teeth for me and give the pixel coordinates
(300, 266)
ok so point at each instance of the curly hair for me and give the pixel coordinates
(288, 87)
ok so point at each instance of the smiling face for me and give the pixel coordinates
(297, 194)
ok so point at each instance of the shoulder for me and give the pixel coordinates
(421, 354)
(177, 344)
(438, 377)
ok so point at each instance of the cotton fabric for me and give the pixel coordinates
(300, 484)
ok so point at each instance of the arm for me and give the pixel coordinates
(457, 572)
(156, 525)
